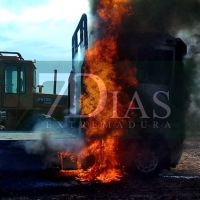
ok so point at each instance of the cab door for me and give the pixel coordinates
(11, 86)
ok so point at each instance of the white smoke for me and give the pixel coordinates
(52, 139)
(192, 78)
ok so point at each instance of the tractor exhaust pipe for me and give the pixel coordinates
(40, 88)
(55, 81)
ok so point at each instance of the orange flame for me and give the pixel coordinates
(101, 57)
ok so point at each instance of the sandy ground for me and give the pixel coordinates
(178, 184)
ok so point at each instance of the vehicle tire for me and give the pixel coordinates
(152, 157)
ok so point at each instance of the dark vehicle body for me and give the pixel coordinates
(155, 137)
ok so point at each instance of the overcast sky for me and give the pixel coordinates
(41, 30)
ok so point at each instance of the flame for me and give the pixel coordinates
(102, 60)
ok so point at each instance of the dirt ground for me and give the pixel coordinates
(178, 184)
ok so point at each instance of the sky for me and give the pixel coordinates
(41, 30)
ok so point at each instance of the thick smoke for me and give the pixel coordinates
(177, 18)
(158, 15)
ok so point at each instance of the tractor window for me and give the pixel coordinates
(11, 79)
(22, 88)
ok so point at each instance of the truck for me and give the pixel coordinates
(155, 135)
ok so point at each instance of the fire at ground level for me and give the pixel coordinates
(24, 178)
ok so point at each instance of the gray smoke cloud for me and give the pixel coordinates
(179, 18)
(158, 15)
(50, 139)
(48, 148)
(192, 80)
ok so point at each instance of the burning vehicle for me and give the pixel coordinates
(126, 95)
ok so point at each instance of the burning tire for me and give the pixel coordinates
(151, 158)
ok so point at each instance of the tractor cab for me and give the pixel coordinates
(17, 85)
(19, 100)
(18, 81)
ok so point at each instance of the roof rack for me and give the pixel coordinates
(19, 56)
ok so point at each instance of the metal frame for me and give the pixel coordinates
(11, 52)
(82, 27)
